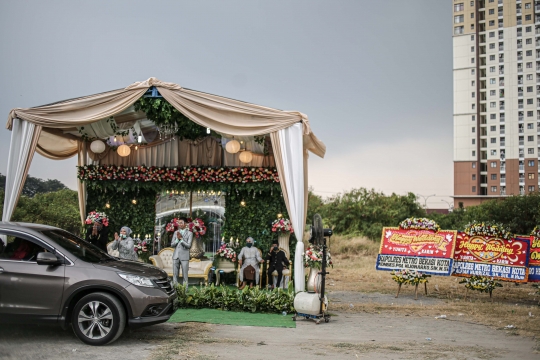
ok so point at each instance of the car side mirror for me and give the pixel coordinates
(46, 258)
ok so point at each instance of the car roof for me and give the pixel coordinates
(30, 226)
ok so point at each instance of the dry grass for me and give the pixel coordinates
(354, 270)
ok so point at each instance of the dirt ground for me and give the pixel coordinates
(347, 335)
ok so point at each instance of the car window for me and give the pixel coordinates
(20, 249)
(76, 246)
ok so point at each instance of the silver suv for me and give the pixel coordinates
(50, 275)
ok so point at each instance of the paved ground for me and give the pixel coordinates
(346, 336)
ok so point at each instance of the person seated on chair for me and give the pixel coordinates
(277, 258)
(249, 260)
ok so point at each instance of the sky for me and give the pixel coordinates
(374, 77)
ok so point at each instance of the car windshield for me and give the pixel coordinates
(78, 247)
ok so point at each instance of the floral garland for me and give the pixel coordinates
(178, 174)
(227, 253)
(197, 227)
(487, 229)
(313, 257)
(480, 283)
(96, 216)
(419, 224)
(411, 277)
(282, 225)
(172, 225)
(536, 232)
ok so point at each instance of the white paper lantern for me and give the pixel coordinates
(246, 156)
(232, 146)
(124, 150)
(97, 146)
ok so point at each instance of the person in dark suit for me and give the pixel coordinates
(98, 235)
(278, 260)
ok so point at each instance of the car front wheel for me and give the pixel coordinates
(98, 319)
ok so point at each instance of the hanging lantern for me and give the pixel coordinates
(246, 156)
(97, 146)
(232, 146)
(124, 150)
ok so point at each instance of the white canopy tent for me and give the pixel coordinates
(54, 131)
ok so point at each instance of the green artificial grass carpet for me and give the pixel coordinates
(213, 316)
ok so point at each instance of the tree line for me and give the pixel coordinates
(363, 212)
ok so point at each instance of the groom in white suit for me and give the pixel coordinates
(182, 241)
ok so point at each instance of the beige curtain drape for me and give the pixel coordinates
(81, 186)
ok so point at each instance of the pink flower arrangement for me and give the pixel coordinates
(197, 227)
(282, 225)
(172, 225)
(140, 247)
(95, 216)
(177, 174)
(227, 253)
(313, 257)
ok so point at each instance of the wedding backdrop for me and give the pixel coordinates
(152, 136)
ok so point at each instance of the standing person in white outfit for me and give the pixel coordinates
(182, 241)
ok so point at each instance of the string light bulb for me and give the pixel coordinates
(107, 205)
(242, 203)
(134, 201)
(208, 130)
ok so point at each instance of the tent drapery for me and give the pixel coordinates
(221, 114)
(24, 139)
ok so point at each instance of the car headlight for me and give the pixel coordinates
(137, 280)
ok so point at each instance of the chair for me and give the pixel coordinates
(197, 268)
(260, 271)
(286, 272)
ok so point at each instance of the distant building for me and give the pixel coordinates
(437, 211)
(496, 72)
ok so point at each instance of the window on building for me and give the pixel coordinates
(529, 76)
(530, 151)
(531, 176)
(473, 118)
(458, 30)
(473, 71)
(491, 57)
(473, 94)
(529, 89)
(473, 153)
(472, 37)
(472, 60)
(530, 126)
(492, 69)
(530, 101)
(531, 188)
(528, 29)
(473, 189)
(492, 128)
(492, 34)
(474, 176)
(530, 138)
(491, 11)
(493, 176)
(492, 92)
(493, 152)
(493, 140)
(493, 116)
(493, 104)
(528, 53)
(473, 106)
(458, 7)
(493, 164)
(530, 113)
(472, 48)
(528, 17)
(458, 19)
(528, 41)
(492, 23)
(528, 5)
(473, 83)
(473, 141)
(493, 189)
(473, 129)
(473, 165)
(531, 163)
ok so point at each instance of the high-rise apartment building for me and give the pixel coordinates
(496, 98)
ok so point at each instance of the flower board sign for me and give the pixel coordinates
(491, 256)
(534, 260)
(426, 251)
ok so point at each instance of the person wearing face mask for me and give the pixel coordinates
(125, 245)
(182, 239)
(98, 235)
(278, 260)
(249, 259)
